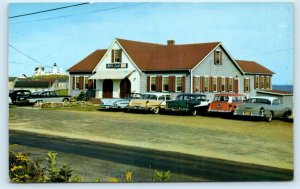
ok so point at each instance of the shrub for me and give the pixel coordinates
(162, 176)
(24, 169)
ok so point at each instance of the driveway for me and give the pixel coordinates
(256, 142)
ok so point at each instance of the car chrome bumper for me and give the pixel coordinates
(252, 114)
(176, 110)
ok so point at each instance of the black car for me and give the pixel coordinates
(19, 96)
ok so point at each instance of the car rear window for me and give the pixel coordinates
(259, 100)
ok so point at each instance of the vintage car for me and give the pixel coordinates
(150, 102)
(265, 107)
(19, 96)
(109, 103)
(47, 96)
(189, 103)
(123, 103)
(226, 103)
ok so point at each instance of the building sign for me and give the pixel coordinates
(117, 65)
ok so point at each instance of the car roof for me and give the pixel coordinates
(229, 94)
(264, 97)
(192, 94)
(157, 93)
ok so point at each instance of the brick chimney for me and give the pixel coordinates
(171, 42)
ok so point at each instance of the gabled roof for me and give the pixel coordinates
(157, 57)
(253, 67)
(88, 63)
(32, 84)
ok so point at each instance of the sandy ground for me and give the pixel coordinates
(256, 142)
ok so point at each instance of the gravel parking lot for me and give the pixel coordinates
(256, 142)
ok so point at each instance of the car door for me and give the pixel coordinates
(277, 108)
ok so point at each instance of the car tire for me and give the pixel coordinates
(269, 116)
(286, 115)
(156, 110)
(65, 100)
(194, 112)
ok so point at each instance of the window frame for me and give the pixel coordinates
(163, 83)
(176, 85)
(223, 81)
(247, 83)
(197, 84)
(153, 84)
(205, 78)
(76, 83)
(120, 55)
(215, 84)
(85, 78)
(218, 57)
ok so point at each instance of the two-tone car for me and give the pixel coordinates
(154, 102)
(264, 107)
(47, 96)
(123, 103)
(188, 103)
(226, 102)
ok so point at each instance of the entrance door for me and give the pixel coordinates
(236, 85)
(107, 88)
(125, 88)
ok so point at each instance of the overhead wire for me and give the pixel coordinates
(26, 55)
(69, 15)
(38, 12)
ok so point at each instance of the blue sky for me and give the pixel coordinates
(262, 32)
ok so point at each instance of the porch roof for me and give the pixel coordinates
(111, 74)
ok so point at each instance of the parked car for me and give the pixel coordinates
(19, 96)
(150, 102)
(47, 96)
(124, 102)
(189, 103)
(265, 107)
(226, 103)
(109, 103)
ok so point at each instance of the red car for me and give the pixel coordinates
(226, 103)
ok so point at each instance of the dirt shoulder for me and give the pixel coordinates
(256, 142)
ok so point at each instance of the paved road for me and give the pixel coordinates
(257, 142)
(203, 167)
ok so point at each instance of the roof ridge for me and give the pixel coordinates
(140, 42)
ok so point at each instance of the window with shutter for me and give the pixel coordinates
(206, 84)
(153, 84)
(215, 84)
(165, 84)
(178, 84)
(223, 83)
(218, 57)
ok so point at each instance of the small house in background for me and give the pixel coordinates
(42, 84)
(33, 86)
(285, 98)
(11, 82)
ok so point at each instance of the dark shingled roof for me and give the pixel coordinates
(253, 67)
(88, 63)
(32, 84)
(12, 78)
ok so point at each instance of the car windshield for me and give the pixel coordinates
(259, 100)
(149, 96)
(238, 98)
(134, 96)
(221, 98)
(185, 97)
